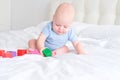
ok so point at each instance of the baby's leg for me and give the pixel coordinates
(61, 50)
(32, 44)
(33, 47)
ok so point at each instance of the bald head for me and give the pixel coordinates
(65, 10)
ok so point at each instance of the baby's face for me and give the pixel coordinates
(63, 18)
(61, 24)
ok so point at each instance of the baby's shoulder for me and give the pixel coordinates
(48, 25)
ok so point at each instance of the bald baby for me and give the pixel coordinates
(57, 32)
(63, 16)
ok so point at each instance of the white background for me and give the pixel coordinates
(15, 14)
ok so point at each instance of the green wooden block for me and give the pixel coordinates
(47, 52)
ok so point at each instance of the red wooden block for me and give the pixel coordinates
(7, 55)
(21, 52)
(2, 52)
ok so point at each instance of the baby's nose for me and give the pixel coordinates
(61, 27)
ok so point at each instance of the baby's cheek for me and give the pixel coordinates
(65, 30)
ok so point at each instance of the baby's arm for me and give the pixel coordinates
(78, 47)
(61, 50)
(40, 42)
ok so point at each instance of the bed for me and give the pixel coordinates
(99, 36)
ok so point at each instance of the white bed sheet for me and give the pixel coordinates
(100, 63)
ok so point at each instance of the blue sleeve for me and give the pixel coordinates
(72, 36)
(46, 31)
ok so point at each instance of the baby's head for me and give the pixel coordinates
(63, 18)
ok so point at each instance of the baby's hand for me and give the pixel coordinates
(53, 53)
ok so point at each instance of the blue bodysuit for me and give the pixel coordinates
(54, 40)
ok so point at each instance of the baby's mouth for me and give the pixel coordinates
(59, 32)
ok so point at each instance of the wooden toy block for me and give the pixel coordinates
(33, 51)
(7, 55)
(21, 52)
(47, 52)
(1, 52)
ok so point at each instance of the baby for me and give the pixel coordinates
(57, 32)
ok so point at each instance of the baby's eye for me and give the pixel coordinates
(58, 25)
(65, 27)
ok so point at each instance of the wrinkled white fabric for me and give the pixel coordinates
(100, 63)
